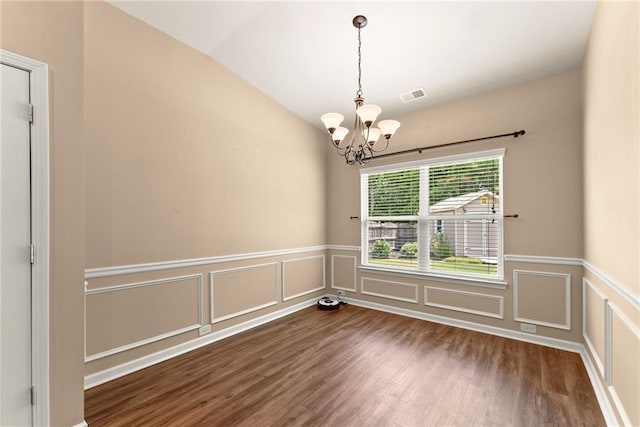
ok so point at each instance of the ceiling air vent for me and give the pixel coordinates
(412, 95)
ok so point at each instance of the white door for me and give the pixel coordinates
(15, 241)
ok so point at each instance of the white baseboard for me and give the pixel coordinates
(598, 387)
(82, 424)
(109, 374)
(571, 346)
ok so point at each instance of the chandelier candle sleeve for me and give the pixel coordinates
(359, 148)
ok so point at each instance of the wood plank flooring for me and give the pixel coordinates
(353, 367)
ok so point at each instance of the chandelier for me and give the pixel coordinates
(361, 145)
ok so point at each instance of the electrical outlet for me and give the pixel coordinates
(204, 330)
(527, 327)
(340, 293)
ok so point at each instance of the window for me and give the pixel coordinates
(439, 216)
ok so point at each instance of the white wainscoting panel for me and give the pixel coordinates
(299, 279)
(116, 311)
(131, 366)
(431, 292)
(242, 290)
(408, 292)
(624, 365)
(345, 276)
(595, 303)
(548, 309)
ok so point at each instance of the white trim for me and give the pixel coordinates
(608, 344)
(39, 94)
(168, 334)
(499, 315)
(492, 330)
(585, 335)
(375, 294)
(242, 312)
(550, 260)
(214, 319)
(618, 404)
(355, 279)
(343, 248)
(599, 390)
(618, 288)
(567, 296)
(615, 310)
(112, 373)
(307, 292)
(140, 343)
(92, 273)
(483, 283)
(82, 424)
(478, 155)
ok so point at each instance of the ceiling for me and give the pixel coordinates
(303, 54)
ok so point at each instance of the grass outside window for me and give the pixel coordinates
(463, 267)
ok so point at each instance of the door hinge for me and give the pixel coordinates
(30, 112)
(32, 253)
(33, 395)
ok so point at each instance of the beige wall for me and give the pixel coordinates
(176, 170)
(542, 183)
(612, 135)
(184, 159)
(52, 32)
(187, 161)
(542, 170)
(612, 202)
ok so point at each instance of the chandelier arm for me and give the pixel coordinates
(341, 150)
(373, 150)
(368, 152)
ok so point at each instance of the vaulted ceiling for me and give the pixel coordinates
(304, 54)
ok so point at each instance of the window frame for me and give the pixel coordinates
(423, 219)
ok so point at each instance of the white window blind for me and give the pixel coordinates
(442, 216)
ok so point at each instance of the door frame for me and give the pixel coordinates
(39, 95)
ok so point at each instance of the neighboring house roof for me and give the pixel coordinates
(459, 201)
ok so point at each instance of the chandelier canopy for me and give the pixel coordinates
(361, 145)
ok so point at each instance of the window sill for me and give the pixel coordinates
(463, 280)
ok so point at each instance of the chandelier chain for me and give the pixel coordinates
(359, 92)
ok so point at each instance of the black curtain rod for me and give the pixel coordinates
(448, 144)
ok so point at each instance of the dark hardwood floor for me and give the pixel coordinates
(353, 367)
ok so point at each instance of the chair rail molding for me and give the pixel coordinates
(93, 273)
